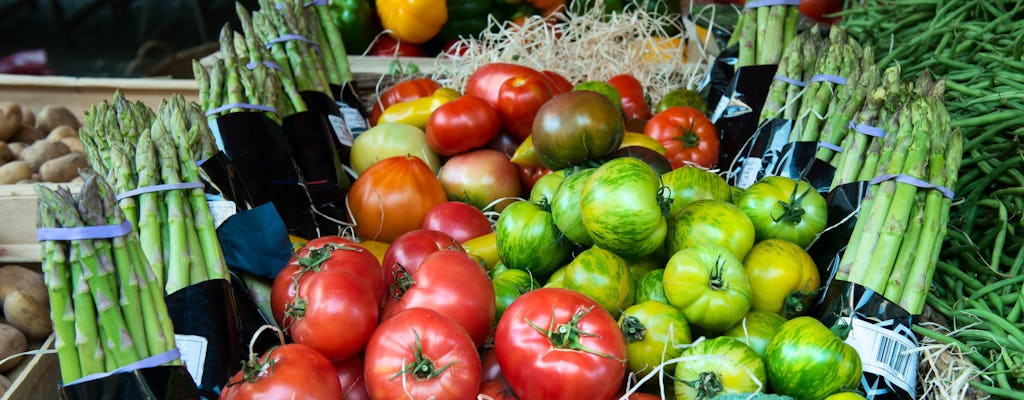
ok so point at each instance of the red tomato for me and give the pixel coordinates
(469, 299)
(285, 372)
(489, 364)
(819, 9)
(504, 143)
(555, 343)
(481, 177)
(387, 46)
(418, 354)
(634, 104)
(350, 375)
(392, 197)
(497, 389)
(406, 252)
(333, 312)
(409, 89)
(327, 253)
(459, 220)
(519, 98)
(689, 137)
(530, 175)
(559, 83)
(462, 124)
(486, 81)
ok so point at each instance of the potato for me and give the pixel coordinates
(14, 171)
(6, 154)
(43, 151)
(15, 277)
(28, 117)
(10, 120)
(16, 148)
(51, 117)
(28, 315)
(12, 342)
(64, 168)
(28, 134)
(74, 144)
(62, 132)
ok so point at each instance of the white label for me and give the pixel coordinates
(885, 353)
(353, 119)
(341, 130)
(215, 130)
(720, 108)
(221, 210)
(193, 354)
(748, 174)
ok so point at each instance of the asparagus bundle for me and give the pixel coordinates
(795, 68)
(176, 228)
(763, 32)
(293, 42)
(901, 225)
(107, 307)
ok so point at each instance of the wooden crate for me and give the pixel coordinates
(37, 377)
(18, 236)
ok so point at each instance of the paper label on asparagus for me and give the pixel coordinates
(353, 119)
(221, 210)
(720, 108)
(215, 130)
(341, 130)
(748, 172)
(886, 353)
(193, 354)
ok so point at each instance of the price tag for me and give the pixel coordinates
(193, 354)
(341, 130)
(748, 175)
(353, 119)
(885, 353)
(221, 210)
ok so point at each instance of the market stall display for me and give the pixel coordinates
(738, 202)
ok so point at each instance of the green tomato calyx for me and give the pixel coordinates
(689, 138)
(707, 385)
(633, 329)
(568, 335)
(717, 280)
(403, 282)
(791, 211)
(421, 367)
(316, 257)
(665, 199)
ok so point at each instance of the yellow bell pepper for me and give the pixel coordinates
(483, 248)
(416, 112)
(413, 21)
(639, 139)
(526, 155)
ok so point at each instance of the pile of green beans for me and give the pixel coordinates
(978, 47)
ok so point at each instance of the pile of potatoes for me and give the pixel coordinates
(39, 147)
(26, 315)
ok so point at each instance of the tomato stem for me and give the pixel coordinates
(791, 211)
(421, 367)
(253, 367)
(294, 310)
(716, 280)
(794, 302)
(689, 138)
(665, 199)
(403, 281)
(568, 335)
(707, 385)
(633, 329)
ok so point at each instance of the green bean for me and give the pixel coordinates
(966, 350)
(1008, 393)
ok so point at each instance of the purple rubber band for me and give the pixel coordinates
(868, 130)
(830, 146)
(766, 3)
(315, 3)
(84, 232)
(293, 36)
(790, 81)
(838, 80)
(258, 107)
(269, 64)
(160, 188)
(910, 180)
(148, 362)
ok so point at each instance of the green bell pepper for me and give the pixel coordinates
(465, 18)
(355, 19)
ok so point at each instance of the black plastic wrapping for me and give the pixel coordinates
(327, 108)
(881, 330)
(261, 159)
(156, 383)
(738, 109)
(220, 178)
(770, 153)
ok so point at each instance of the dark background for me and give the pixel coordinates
(116, 38)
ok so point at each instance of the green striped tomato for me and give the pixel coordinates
(806, 360)
(785, 208)
(688, 183)
(650, 287)
(756, 329)
(655, 332)
(546, 186)
(713, 222)
(527, 239)
(708, 283)
(622, 208)
(565, 206)
(720, 365)
(509, 284)
(601, 275)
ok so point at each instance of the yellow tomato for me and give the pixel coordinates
(485, 249)
(377, 248)
(639, 139)
(782, 277)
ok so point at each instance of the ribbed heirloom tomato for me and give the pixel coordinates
(284, 372)
(689, 137)
(392, 197)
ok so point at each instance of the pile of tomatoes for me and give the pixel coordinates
(530, 238)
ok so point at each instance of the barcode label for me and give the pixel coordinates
(193, 354)
(748, 174)
(341, 130)
(885, 353)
